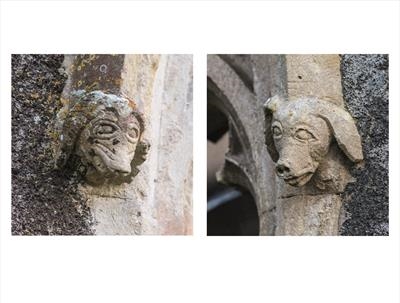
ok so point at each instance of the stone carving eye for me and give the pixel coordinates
(276, 131)
(303, 135)
(105, 129)
(133, 131)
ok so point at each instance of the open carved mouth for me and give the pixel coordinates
(299, 180)
(106, 162)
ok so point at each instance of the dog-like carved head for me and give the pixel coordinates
(105, 131)
(299, 135)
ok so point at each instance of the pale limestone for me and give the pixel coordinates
(314, 75)
(158, 200)
(299, 136)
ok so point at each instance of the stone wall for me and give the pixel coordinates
(365, 81)
(44, 201)
(61, 202)
(347, 192)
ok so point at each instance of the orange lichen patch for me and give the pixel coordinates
(64, 101)
(93, 86)
(86, 60)
(131, 103)
(35, 96)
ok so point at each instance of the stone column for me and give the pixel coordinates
(314, 88)
(247, 165)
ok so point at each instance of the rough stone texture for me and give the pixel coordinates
(312, 142)
(293, 77)
(316, 206)
(247, 164)
(44, 201)
(314, 75)
(173, 179)
(94, 72)
(309, 215)
(105, 131)
(159, 198)
(366, 93)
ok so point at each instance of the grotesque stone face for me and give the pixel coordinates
(301, 145)
(299, 135)
(108, 144)
(105, 131)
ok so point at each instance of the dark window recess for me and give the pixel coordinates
(231, 212)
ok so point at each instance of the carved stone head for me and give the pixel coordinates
(105, 131)
(300, 135)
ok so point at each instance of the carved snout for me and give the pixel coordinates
(298, 136)
(293, 174)
(118, 161)
(282, 169)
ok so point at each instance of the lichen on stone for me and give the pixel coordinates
(105, 131)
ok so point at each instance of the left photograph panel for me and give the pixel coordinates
(102, 144)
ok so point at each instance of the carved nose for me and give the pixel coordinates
(121, 167)
(282, 169)
(124, 171)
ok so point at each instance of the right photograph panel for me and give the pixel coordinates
(298, 145)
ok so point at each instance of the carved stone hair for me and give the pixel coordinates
(105, 131)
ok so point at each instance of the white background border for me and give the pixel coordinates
(187, 269)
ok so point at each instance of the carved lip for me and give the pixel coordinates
(299, 180)
(113, 165)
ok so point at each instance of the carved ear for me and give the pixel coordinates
(142, 149)
(345, 131)
(269, 108)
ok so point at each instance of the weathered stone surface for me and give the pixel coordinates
(44, 201)
(94, 72)
(246, 162)
(173, 177)
(308, 215)
(158, 200)
(105, 131)
(310, 202)
(314, 75)
(366, 92)
(299, 135)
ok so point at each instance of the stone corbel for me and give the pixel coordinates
(313, 143)
(98, 124)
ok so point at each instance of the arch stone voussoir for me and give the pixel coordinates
(246, 166)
